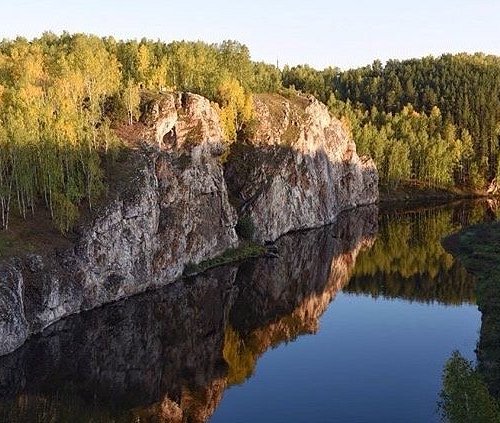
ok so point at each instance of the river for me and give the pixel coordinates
(352, 322)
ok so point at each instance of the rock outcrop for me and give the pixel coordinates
(297, 168)
(171, 209)
(169, 206)
(13, 325)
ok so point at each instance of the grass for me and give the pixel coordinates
(231, 255)
(36, 234)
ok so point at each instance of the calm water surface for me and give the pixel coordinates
(373, 360)
(352, 323)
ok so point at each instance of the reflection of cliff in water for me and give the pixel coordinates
(407, 261)
(280, 300)
(123, 356)
(168, 355)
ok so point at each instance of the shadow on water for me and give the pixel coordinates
(169, 355)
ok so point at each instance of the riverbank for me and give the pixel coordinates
(478, 248)
(414, 193)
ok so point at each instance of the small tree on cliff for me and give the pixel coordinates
(132, 98)
(236, 107)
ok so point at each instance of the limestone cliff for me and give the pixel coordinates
(171, 209)
(169, 204)
(297, 168)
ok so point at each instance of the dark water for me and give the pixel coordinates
(352, 323)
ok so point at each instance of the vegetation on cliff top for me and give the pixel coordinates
(61, 97)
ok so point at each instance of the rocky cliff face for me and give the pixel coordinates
(297, 168)
(171, 207)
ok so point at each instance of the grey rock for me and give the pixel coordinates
(173, 209)
(299, 169)
(13, 324)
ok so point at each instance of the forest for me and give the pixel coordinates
(435, 120)
(432, 120)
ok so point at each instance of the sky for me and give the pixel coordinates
(321, 33)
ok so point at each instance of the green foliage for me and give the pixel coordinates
(65, 212)
(266, 78)
(411, 145)
(60, 97)
(245, 227)
(236, 107)
(465, 397)
(52, 123)
(398, 163)
(132, 99)
(231, 255)
(478, 248)
(461, 93)
(193, 66)
(308, 80)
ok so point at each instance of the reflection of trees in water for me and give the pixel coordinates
(453, 286)
(168, 355)
(408, 261)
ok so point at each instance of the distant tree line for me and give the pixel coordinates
(432, 119)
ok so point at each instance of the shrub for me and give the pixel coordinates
(245, 227)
